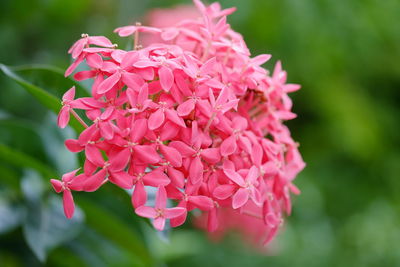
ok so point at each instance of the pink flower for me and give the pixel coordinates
(191, 114)
(68, 182)
(160, 213)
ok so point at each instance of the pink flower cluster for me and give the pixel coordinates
(193, 116)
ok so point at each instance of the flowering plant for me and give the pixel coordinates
(192, 115)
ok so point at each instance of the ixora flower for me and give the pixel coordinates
(195, 117)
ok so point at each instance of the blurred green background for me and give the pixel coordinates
(344, 53)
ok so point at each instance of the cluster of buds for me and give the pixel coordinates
(191, 115)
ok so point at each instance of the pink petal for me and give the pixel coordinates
(166, 78)
(119, 161)
(253, 174)
(211, 155)
(100, 41)
(156, 178)
(57, 185)
(174, 212)
(147, 212)
(172, 155)
(177, 177)
(208, 66)
(159, 223)
(126, 31)
(93, 155)
(69, 95)
(146, 154)
(139, 195)
(143, 93)
(212, 220)
(224, 191)
(178, 221)
(196, 170)
(169, 34)
(156, 119)
(67, 177)
(260, 59)
(94, 61)
(186, 107)
(68, 203)
(129, 58)
(228, 146)
(63, 117)
(168, 131)
(140, 129)
(106, 130)
(183, 148)
(161, 198)
(73, 145)
(109, 83)
(257, 154)
(84, 75)
(235, 177)
(95, 181)
(132, 80)
(240, 198)
(77, 183)
(73, 66)
(202, 202)
(172, 115)
(122, 179)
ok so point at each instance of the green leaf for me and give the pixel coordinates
(47, 99)
(45, 226)
(11, 214)
(22, 135)
(116, 230)
(50, 78)
(21, 160)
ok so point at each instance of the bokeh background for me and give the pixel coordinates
(344, 53)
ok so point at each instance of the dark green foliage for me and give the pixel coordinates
(346, 56)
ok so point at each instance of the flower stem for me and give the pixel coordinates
(79, 118)
(209, 122)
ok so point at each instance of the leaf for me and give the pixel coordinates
(11, 214)
(50, 78)
(115, 230)
(45, 226)
(47, 99)
(19, 159)
(22, 135)
(53, 144)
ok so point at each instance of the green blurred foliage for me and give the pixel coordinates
(346, 56)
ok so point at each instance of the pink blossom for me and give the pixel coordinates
(160, 213)
(192, 114)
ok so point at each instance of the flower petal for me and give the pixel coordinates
(161, 198)
(146, 154)
(122, 179)
(166, 78)
(240, 198)
(109, 83)
(68, 203)
(196, 170)
(139, 195)
(228, 146)
(172, 155)
(159, 223)
(156, 119)
(95, 181)
(224, 191)
(174, 212)
(147, 212)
